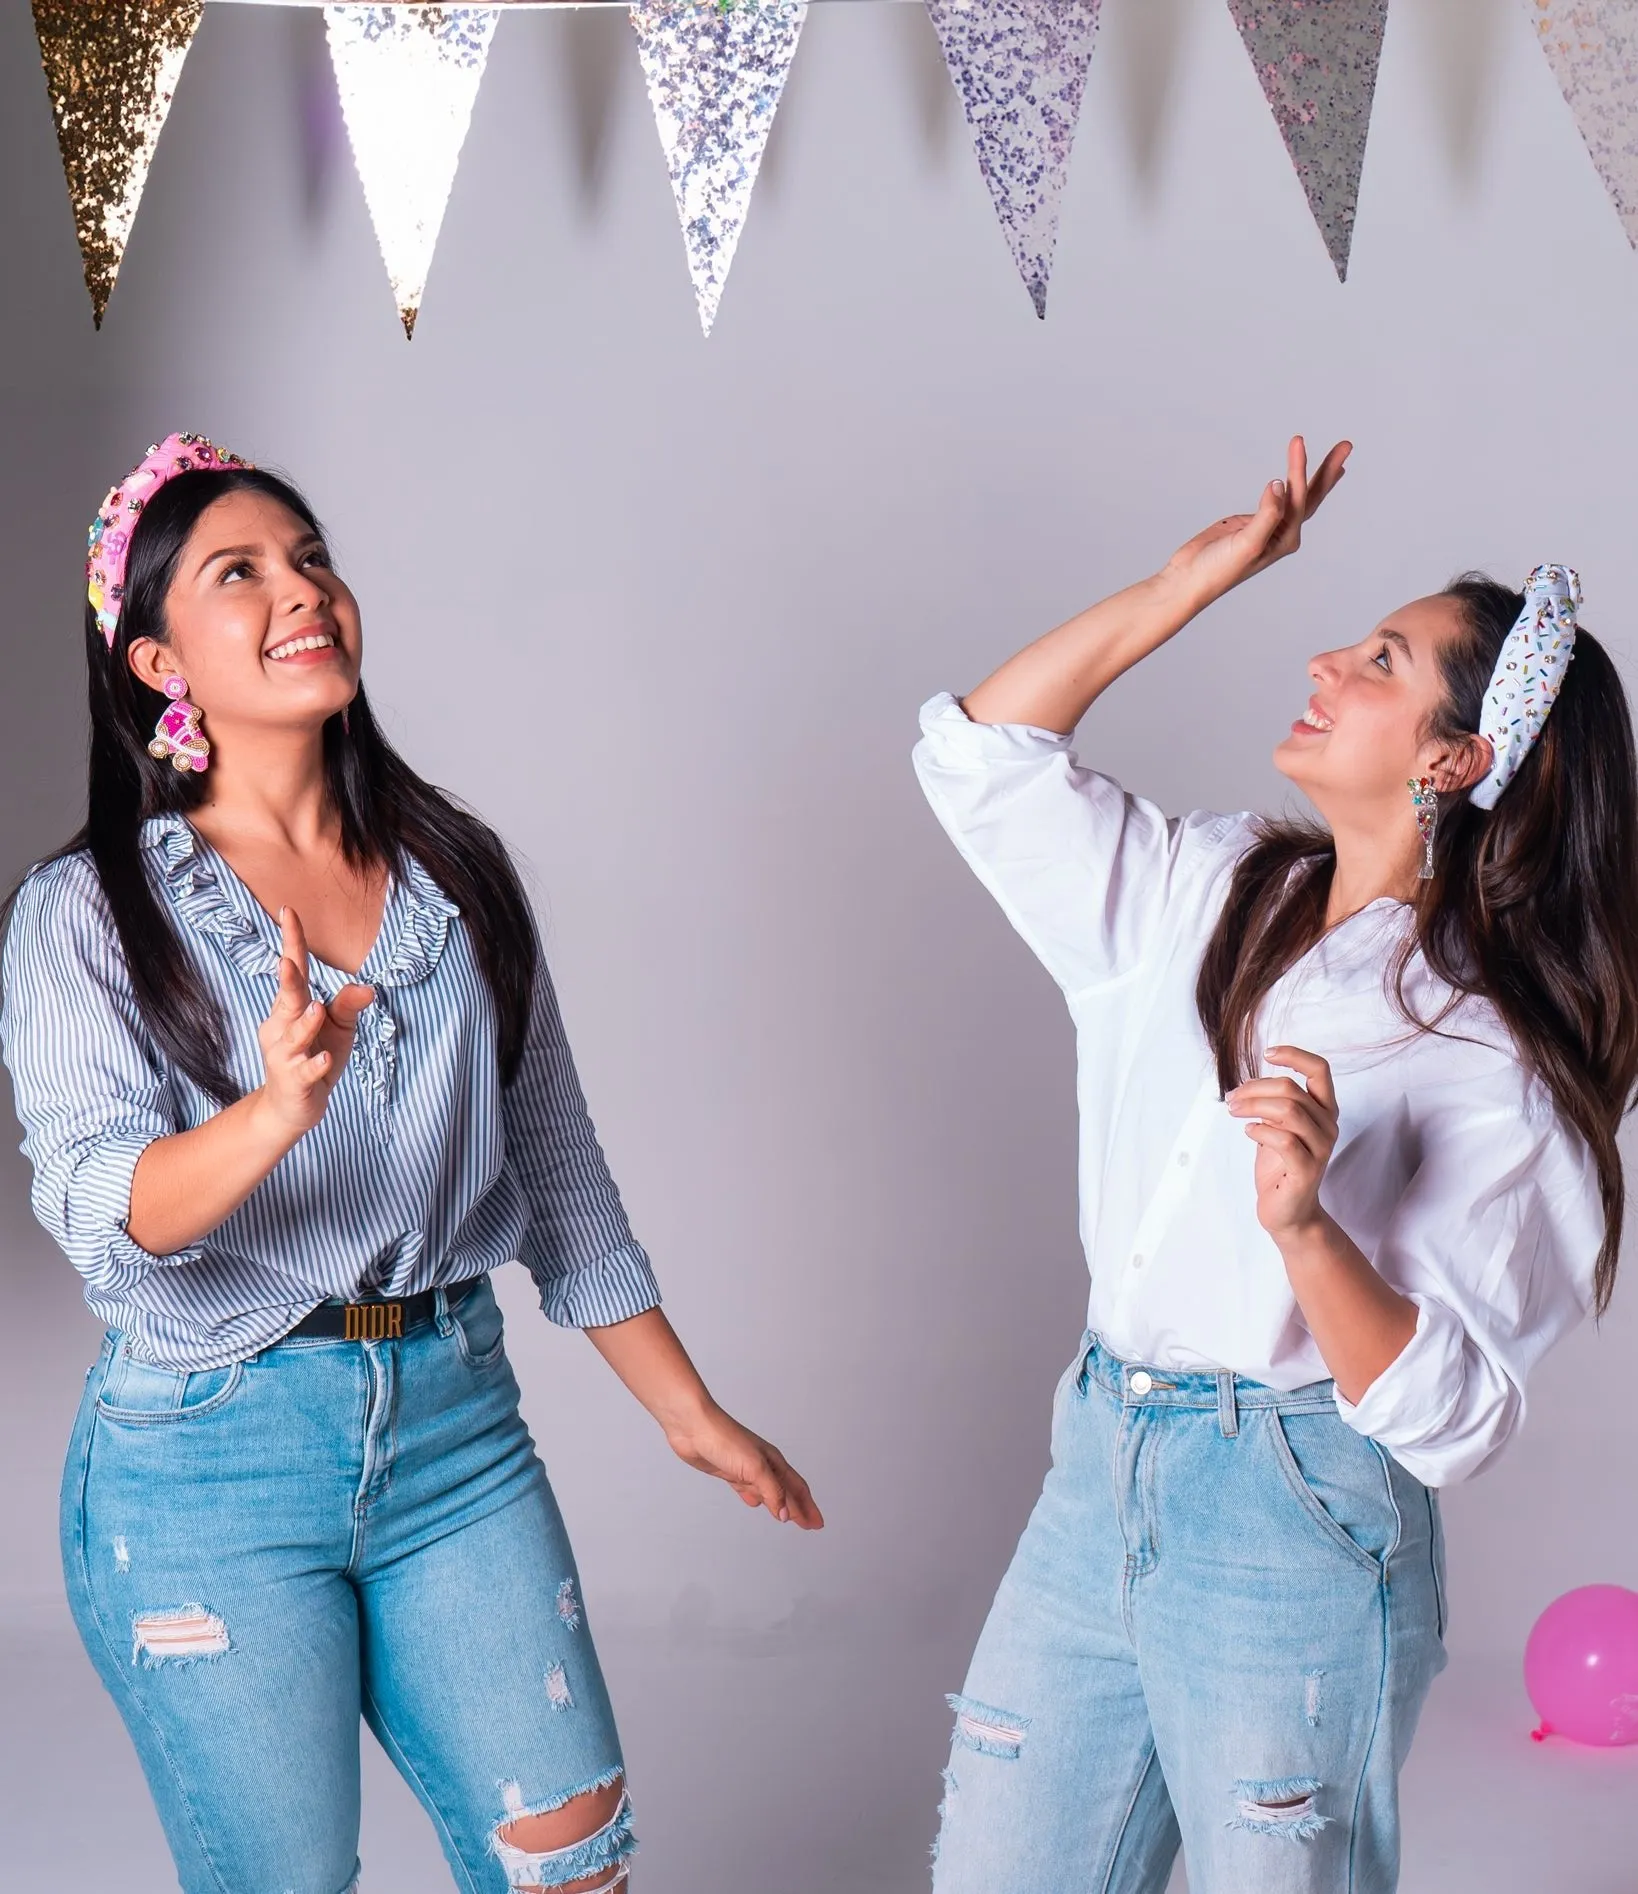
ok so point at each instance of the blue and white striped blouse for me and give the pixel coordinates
(424, 1170)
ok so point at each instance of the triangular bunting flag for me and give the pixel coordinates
(716, 71)
(1593, 49)
(111, 66)
(408, 76)
(1020, 67)
(1317, 60)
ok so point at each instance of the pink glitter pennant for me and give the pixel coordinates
(1592, 46)
(1317, 61)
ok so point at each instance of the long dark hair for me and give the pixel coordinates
(1532, 905)
(388, 813)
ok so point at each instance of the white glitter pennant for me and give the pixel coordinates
(408, 76)
(1318, 65)
(1593, 49)
(1020, 67)
(716, 71)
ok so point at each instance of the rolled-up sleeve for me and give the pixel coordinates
(1084, 871)
(589, 1268)
(90, 1091)
(1495, 1241)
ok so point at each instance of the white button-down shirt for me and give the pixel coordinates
(1453, 1172)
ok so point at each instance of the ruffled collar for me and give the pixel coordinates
(212, 901)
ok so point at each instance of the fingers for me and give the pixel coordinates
(348, 1004)
(1314, 1070)
(1295, 1150)
(800, 1505)
(1327, 474)
(776, 1484)
(1301, 1128)
(1264, 525)
(1296, 477)
(292, 961)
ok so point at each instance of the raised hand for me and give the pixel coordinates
(305, 1044)
(1238, 547)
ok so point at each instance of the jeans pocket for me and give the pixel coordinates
(1436, 1527)
(138, 1394)
(1341, 1481)
(480, 1333)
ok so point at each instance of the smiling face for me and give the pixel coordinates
(1373, 722)
(257, 621)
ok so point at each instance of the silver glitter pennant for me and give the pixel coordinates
(408, 76)
(1020, 67)
(1317, 60)
(716, 71)
(1593, 49)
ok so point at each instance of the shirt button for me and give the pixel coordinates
(1137, 1260)
(1141, 1382)
(1183, 1159)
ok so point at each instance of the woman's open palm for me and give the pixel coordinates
(1238, 547)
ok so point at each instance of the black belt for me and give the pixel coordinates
(377, 1319)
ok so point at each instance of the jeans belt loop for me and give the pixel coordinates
(1228, 1412)
(440, 1313)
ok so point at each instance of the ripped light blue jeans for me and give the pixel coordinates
(1218, 1630)
(260, 1554)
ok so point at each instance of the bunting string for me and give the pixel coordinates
(408, 75)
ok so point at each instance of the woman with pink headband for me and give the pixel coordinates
(1349, 1094)
(293, 1081)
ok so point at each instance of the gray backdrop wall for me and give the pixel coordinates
(664, 610)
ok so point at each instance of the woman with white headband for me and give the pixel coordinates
(1349, 1095)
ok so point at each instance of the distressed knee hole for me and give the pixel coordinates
(1287, 1807)
(990, 1731)
(182, 1634)
(575, 1844)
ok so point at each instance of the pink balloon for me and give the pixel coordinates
(1581, 1666)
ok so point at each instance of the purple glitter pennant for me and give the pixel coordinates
(1020, 67)
(1592, 47)
(716, 71)
(1317, 60)
(408, 76)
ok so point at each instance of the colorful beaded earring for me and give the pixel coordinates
(1425, 801)
(177, 734)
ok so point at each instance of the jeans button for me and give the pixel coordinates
(1141, 1382)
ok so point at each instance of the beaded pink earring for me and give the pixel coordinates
(1425, 801)
(177, 735)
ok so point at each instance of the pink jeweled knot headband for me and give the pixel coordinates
(110, 536)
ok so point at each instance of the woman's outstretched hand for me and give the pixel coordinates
(305, 1044)
(1234, 549)
(759, 1473)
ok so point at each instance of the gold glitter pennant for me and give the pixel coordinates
(408, 77)
(111, 67)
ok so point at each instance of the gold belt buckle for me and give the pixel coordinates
(372, 1321)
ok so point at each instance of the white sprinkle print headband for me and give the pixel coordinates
(1528, 675)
